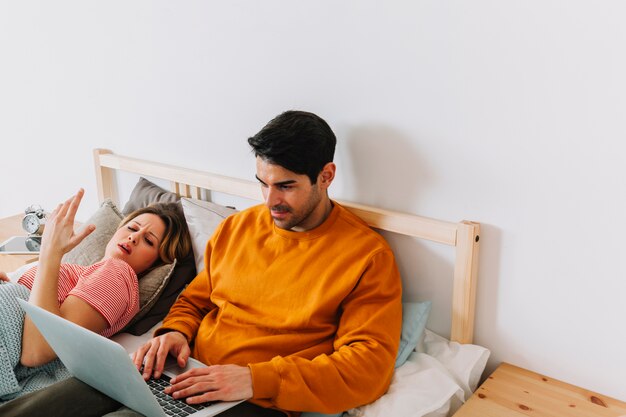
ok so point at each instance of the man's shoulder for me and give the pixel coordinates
(352, 225)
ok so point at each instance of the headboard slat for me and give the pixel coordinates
(192, 177)
(406, 224)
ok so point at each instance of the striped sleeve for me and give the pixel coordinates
(68, 277)
(111, 288)
(28, 278)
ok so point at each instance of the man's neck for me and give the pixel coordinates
(327, 205)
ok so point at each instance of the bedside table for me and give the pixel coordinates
(12, 226)
(516, 392)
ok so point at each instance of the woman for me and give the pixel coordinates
(102, 297)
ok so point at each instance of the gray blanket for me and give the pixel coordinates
(15, 379)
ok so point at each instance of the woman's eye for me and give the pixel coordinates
(132, 229)
(149, 242)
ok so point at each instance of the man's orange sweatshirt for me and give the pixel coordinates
(315, 315)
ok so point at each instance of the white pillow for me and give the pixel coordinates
(464, 362)
(203, 217)
(418, 388)
(433, 382)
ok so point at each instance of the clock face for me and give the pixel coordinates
(31, 223)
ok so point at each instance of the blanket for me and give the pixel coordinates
(16, 379)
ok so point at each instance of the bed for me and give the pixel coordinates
(433, 375)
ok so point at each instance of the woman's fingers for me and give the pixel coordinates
(74, 203)
(69, 208)
(78, 237)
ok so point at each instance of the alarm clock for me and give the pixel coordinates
(34, 220)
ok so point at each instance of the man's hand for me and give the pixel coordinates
(213, 383)
(152, 355)
(4, 277)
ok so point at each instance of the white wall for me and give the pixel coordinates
(504, 112)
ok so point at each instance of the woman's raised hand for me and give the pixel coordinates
(59, 236)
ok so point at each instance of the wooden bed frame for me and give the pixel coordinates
(463, 236)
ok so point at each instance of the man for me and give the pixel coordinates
(299, 305)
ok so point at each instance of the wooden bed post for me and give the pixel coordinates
(464, 288)
(104, 178)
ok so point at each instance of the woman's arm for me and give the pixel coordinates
(58, 238)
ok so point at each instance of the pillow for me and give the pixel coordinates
(203, 217)
(465, 362)
(146, 193)
(433, 382)
(414, 317)
(106, 219)
(418, 389)
(91, 250)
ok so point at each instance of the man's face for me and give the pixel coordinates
(295, 204)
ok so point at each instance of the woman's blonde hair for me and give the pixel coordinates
(176, 242)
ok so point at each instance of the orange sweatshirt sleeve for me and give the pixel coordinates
(192, 305)
(361, 366)
(186, 315)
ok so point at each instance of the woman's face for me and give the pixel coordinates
(137, 242)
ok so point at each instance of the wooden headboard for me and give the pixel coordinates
(463, 236)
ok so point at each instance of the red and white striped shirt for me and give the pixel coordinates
(109, 286)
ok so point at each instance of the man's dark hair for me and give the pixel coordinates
(299, 141)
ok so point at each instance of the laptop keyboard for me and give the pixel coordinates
(171, 406)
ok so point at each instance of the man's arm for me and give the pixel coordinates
(179, 329)
(360, 369)
(356, 373)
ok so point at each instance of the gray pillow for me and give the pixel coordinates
(151, 286)
(146, 193)
(91, 250)
(107, 219)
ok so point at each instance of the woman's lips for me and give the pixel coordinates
(124, 248)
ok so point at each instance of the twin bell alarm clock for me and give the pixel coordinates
(34, 220)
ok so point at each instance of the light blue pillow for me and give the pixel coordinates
(414, 317)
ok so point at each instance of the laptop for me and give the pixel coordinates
(107, 367)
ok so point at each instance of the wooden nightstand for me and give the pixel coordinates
(12, 226)
(516, 392)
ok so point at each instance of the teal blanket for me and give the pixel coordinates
(15, 379)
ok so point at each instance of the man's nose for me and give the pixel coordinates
(272, 197)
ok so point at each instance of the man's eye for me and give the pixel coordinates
(285, 187)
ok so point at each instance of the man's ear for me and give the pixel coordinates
(327, 175)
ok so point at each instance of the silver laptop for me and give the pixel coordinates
(106, 366)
